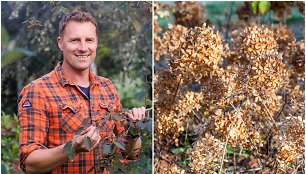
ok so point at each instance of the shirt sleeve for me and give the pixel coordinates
(33, 122)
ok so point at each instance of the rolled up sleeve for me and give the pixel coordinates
(33, 122)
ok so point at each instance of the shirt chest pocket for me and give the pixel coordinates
(72, 117)
(103, 109)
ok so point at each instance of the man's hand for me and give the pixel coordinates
(133, 145)
(79, 140)
(137, 114)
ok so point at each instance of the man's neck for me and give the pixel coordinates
(80, 78)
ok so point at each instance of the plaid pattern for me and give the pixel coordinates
(51, 108)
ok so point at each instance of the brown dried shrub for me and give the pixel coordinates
(239, 101)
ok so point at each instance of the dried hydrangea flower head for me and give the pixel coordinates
(189, 14)
(196, 54)
(289, 141)
(283, 35)
(171, 39)
(205, 154)
(267, 73)
(294, 55)
(295, 101)
(158, 45)
(161, 11)
(236, 128)
(175, 169)
(256, 40)
(168, 128)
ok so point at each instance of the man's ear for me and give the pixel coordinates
(60, 43)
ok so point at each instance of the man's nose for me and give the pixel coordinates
(82, 46)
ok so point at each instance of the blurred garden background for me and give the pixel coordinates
(29, 50)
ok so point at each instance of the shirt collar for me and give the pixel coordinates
(63, 80)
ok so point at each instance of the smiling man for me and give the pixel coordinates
(53, 107)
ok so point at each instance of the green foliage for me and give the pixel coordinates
(5, 37)
(164, 22)
(261, 6)
(137, 25)
(179, 150)
(231, 151)
(131, 91)
(213, 10)
(69, 150)
(144, 164)
(11, 56)
(108, 145)
(87, 143)
(106, 149)
(255, 6)
(121, 146)
(264, 6)
(9, 143)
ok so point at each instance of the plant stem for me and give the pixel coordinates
(185, 144)
(177, 87)
(228, 20)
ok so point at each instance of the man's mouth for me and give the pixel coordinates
(82, 56)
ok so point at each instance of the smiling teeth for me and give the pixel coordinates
(82, 56)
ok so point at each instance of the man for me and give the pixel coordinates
(53, 107)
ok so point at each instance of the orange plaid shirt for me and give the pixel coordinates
(51, 109)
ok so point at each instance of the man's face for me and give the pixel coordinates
(78, 42)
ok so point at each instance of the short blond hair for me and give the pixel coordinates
(77, 16)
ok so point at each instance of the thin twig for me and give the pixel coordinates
(225, 146)
(196, 116)
(224, 150)
(228, 20)
(164, 158)
(248, 136)
(250, 170)
(185, 144)
(282, 106)
(177, 87)
(156, 165)
(235, 165)
(295, 170)
(149, 109)
(269, 114)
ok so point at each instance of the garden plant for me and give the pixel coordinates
(229, 92)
